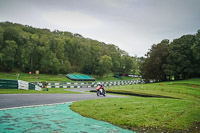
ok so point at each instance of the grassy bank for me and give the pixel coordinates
(149, 114)
(184, 89)
(52, 78)
(111, 78)
(35, 77)
(137, 113)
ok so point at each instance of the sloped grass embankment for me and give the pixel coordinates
(54, 78)
(181, 114)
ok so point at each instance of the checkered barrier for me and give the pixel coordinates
(61, 85)
(118, 83)
(48, 86)
(90, 84)
(64, 84)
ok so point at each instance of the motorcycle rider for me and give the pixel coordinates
(100, 86)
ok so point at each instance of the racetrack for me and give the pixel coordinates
(20, 100)
(54, 118)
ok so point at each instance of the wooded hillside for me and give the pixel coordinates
(179, 59)
(27, 49)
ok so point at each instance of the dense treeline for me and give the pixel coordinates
(179, 59)
(27, 49)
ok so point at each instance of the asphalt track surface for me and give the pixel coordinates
(20, 100)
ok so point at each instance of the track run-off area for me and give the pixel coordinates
(50, 113)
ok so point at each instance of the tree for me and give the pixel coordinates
(104, 65)
(126, 64)
(136, 63)
(196, 46)
(196, 54)
(54, 52)
(65, 67)
(54, 64)
(1, 37)
(95, 55)
(152, 67)
(180, 60)
(8, 55)
(1, 44)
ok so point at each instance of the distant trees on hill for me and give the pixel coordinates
(179, 59)
(28, 49)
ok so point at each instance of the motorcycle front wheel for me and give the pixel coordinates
(98, 93)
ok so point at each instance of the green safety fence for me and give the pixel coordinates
(18, 84)
(11, 84)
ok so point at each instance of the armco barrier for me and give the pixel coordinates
(18, 84)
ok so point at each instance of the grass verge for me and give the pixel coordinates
(185, 89)
(140, 114)
(144, 114)
(53, 78)
(35, 77)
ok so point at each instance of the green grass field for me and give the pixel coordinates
(111, 78)
(184, 89)
(34, 77)
(52, 78)
(149, 114)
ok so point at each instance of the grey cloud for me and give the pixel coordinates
(133, 25)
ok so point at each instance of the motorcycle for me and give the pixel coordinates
(101, 92)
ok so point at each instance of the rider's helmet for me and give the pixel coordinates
(99, 83)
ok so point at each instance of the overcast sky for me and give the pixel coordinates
(132, 25)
